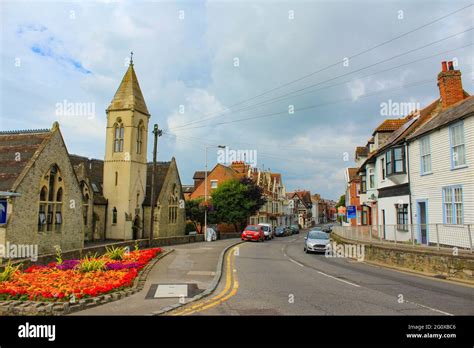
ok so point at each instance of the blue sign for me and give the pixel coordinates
(351, 212)
(3, 211)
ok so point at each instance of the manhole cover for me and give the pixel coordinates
(176, 290)
(158, 291)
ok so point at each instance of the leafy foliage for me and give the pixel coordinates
(91, 264)
(8, 272)
(115, 253)
(232, 204)
(195, 212)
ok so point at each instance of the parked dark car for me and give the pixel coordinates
(295, 229)
(281, 231)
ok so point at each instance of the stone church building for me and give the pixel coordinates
(111, 198)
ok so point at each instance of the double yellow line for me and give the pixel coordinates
(230, 289)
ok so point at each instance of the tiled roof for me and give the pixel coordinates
(200, 174)
(24, 143)
(455, 112)
(352, 173)
(362, 151)
(129, 94)
(390, 125)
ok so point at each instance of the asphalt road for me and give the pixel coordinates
(277, 278)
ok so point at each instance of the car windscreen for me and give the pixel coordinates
(279, 229)
(251, 228)
(317, 235)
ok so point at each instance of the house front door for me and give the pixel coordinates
(422, 222)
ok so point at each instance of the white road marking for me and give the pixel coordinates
(341, 280)
(296, 262)
(430, 308)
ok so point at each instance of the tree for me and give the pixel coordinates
(342, 201)
(231, 204)
(195, 212)
(254, 193)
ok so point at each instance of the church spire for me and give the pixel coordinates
(129, 95)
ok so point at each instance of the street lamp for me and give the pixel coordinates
(205, 186)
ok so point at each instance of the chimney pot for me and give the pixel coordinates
(450, 65)
(444, 66)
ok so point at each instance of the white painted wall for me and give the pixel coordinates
(430, 187)
(389, 205)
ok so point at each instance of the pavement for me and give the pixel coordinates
(193, 265)
(278, 278)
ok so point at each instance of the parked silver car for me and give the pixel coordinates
(316, 241)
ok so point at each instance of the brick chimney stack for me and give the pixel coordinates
(450, 85)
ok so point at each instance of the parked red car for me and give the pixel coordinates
(253, 232)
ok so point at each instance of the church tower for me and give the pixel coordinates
(125, 163)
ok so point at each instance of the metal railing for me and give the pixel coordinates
(434, 235)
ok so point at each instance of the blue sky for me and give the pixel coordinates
(78, 51)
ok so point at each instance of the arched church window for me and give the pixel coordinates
(118, 136)
(173, 207)
(114, 215)
(50, 202)
(140, 137)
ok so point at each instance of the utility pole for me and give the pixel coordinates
(156, 133)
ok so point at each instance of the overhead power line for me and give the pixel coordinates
(293, 95)
(349, 57)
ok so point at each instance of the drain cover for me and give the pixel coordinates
(176, 290)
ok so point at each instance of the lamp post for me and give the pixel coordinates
(205, 186)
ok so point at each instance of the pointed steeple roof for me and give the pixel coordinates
(129, 94)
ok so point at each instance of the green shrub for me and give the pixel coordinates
(8, 272)
(190, 227)
(115, 253)
(91, 264)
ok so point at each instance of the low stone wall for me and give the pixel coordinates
(101, 249)
(441, 263)
(229, 235)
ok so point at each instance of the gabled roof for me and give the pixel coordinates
(460, 110)
(94, 171)
(129, 95)
(412, 124)
(352, 173)
(160, 176)
(26, 144)
(389, 125)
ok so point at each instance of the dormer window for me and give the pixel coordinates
(395, 161)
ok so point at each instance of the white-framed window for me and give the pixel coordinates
(453, 205)
(402, 217)
(425, 155)
(382, 162)
(458, 147)
(213, 184)
(371, 182)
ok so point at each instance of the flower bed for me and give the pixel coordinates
(67, 281)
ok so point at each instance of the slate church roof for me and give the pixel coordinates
(22, 144)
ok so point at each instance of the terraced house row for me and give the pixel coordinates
(414, 178)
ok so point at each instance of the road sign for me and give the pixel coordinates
(351, 212)
(3, 211)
